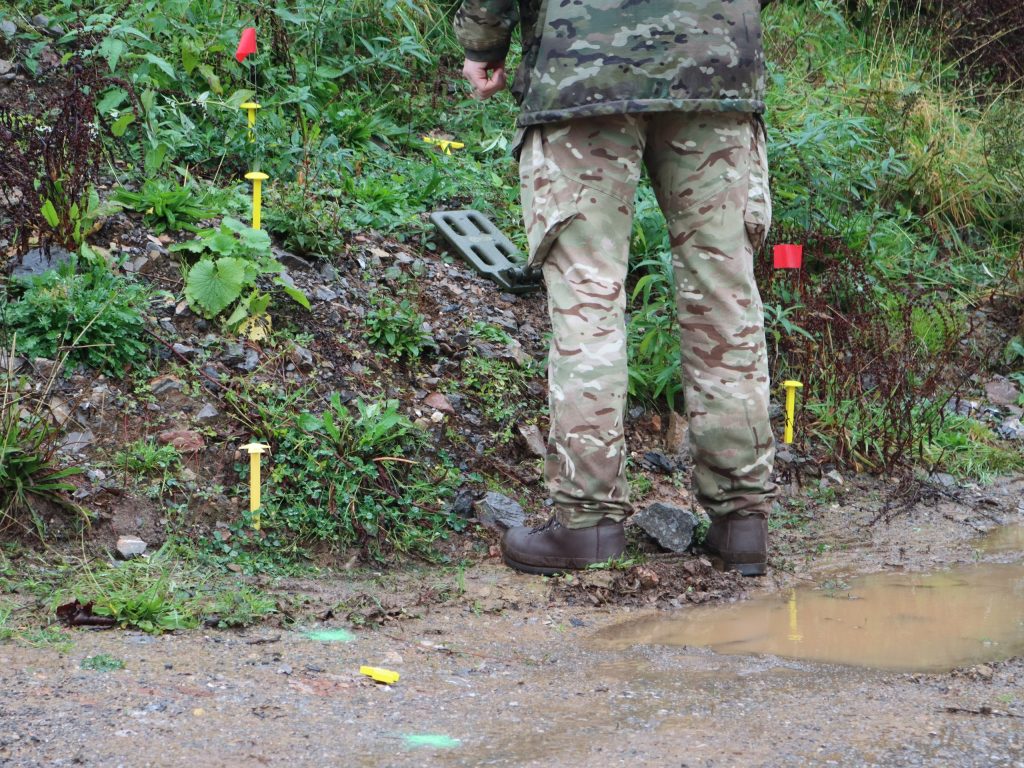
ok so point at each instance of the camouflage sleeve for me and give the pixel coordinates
(484, 27)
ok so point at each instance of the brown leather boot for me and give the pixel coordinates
(552, 548)
(739, 543)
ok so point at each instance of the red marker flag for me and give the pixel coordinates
(247, 44)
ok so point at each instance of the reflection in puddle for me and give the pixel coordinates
(910, 622)
(1006, 538)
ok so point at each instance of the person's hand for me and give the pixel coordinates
(486, 77)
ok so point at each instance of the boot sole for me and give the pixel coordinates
(542, 570)
(744, 569)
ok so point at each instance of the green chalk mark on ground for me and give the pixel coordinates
(102, 663)
(436, 740)
(331, 636)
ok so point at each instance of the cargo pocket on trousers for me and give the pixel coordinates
(757, 216)
(550, 199)
(549, 217)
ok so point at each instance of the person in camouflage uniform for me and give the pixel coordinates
(608, 88)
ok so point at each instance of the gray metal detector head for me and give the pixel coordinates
(486, 249)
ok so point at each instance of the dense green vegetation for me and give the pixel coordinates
(902, 178)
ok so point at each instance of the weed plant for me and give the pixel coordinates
(95, 316)
(167, 206)
(397, 327)
(343, 480)
(162, 592)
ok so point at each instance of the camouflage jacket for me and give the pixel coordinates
(602, 57)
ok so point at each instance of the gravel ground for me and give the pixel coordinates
(513, 673)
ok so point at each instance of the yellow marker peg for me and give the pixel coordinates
(445, 145)
(250, 108)
(255, 451)
(791, 388)
(257, 180)
(379, 674)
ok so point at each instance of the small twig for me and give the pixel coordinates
(190, 364)
(982, 710)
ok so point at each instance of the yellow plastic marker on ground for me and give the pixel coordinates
(255, 451)
(257, 180)
(250, 108)
(380, 674)
(791, 388)
(445, 145)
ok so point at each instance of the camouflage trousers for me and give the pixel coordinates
(709, 174)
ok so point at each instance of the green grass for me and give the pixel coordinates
(966, 448)
(162, 592)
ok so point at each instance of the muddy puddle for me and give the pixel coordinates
(1007, 538)
(906, 622)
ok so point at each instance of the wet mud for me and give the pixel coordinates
(516, 671)
(931, 622)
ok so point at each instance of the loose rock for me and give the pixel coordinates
(77, 442)
(207, 412)
(37, 261)
(130, 546)
(1011, 429)
(533, 439)
(439, 402)
(672, 527)
(1002, 391)
(185, 440)
(499, 512)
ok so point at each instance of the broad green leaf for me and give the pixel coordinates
(111, 100)
(50, 214)
(213, 285)
(211, 78)
(112, 49)
(163, 64)
(295, 293)
(189, 58)
(121, 124)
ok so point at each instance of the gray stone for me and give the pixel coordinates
(834, 477)
(499, 512)
(251, 362)
(207, 412)
(961, 406)
(943, 478)
(38, 261)
(533, 439)
(44, 367)
(184, 350)
(518, 355)
(40, 22)
(1011, 429)
(234, 353)
(301, 357)
(323, 293)
(672, 527)
(1002, 391)
(168, 326)
(161, 385)
(77, 442)
(129, 547)
(328, 273)
(155, 250)
(8, 27)
(10, 364)
(290, 259)
(5, 66)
